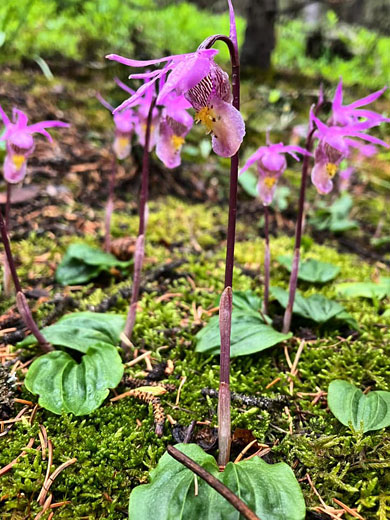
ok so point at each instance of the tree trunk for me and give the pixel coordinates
(260, 34)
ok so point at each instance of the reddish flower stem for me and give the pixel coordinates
(109, 207)
(21, 301)
(140, 244)
(216, 484)
(299, 226)
(267, 260)
(224, 429)
(8, 205)
(7, 278)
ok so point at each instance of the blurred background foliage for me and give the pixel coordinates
(86, 30)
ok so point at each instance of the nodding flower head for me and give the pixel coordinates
(20, 142)
(343, 115)
(212, 100)
(334, 145)
(204, 84)
(175, 123)
(271, 164)
(124, 127)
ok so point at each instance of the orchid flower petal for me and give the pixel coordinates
(366, 100)
(338, 96)
(228, 129)
(123, 86)
(4, 117)
(253, 159)
(233, 28)
(105, 103)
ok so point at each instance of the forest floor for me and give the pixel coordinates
(116, 445)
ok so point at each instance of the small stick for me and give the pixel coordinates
(223, 490)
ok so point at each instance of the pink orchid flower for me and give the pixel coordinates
(204, 84)
(175, 123)
(343, 115)
(143, 104)
(124, 126)
(271, 164)
(20, 142)
(334, 146)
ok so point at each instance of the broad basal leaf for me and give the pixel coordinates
(376, 291)
(249, 335)
(82, 263)
(312, 270)
(63, 385)
(82, 330)
(353, 408)
(316, 307)
(270, 490)
(66, 385)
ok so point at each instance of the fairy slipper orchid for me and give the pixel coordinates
(124, 127)
(175, 123)
(205, 85)
(271, 164)
(334, 145)
(19, 140)
(343, 115)
(212, 99)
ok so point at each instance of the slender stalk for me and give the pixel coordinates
(216, 484)
(109, 207)
(267, 260)
(7, 277)
(140, 244)
(224, 424)
(299, 226)
(21, 301)
(8, 205)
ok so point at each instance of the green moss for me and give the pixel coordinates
(115, 452)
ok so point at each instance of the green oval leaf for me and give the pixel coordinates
(316, 307)
(82, 263)
(82, 330)
(249, 335)
(357, 410)
(311, 270)
(376, 291)
(270, 490)
(63, 385)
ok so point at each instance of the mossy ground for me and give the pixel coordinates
(115, 451)
(116, 446)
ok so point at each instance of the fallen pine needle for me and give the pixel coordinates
(6, 468)
(53, 476)
(183, 379)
